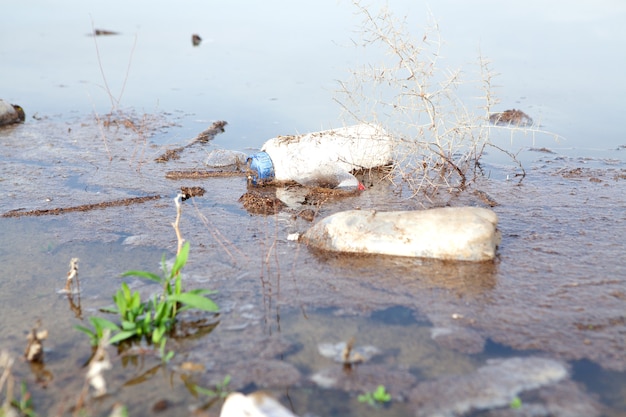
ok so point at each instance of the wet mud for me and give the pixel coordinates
(556, 289)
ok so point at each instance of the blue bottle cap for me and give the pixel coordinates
(261, 167)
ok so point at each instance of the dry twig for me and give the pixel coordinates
(176, 224)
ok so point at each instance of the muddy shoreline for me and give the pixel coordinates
(556, 287)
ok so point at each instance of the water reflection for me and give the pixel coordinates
(411, 274)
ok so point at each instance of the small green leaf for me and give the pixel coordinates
(516, 403)
(205, 391)
(157, 334)
(122, 306)
(100, 323)
(169, 356)
(143, 274)
(201, 291)
(135, 303)
(93, 337)
(126, 292)
(123, 335)
(128, 325)
(110, 310)
(178, 285)
(181, 260)
(161, 311)
(366, 398)
(195, 301)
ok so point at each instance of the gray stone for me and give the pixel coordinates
(494, 385)
(564, 399)
(461, 339)
(449, 233)
(257, 404)
(10, 113)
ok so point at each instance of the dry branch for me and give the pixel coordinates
(82, 207)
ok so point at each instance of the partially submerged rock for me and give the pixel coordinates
(449, 233)
(257, 404)
(461, 339)
(494, 385)
(346, 353)
(564, 399)
(365, 378)
(10, 113)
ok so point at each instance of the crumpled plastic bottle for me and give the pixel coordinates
(324, 158)
(219, 158)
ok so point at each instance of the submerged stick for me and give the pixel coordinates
(207, 135)
(176, 224)
(82, 207)
(199, 174)
(72, 275)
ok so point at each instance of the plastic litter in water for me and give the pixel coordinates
(261, 166)
(322, 158)
(219, 158)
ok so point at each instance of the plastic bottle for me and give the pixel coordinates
(219, 158)
(322, 158)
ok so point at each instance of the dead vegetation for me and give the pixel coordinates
(439, 117)
(260, 203)
(188, 192)
(205, 136)
(83, 207)
(511, 117)
(196, 174)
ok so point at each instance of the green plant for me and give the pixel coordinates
(99, 325)
(516, 403)
(220, 391)
(24, 406)
(380, 396)
(153, 319)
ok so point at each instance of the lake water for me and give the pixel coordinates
(557, 289)
(272, 68)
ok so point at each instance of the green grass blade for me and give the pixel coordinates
(143, 274)
(201, 291)
(195, 301)
(123, 335)
(181, 259)
(99, 322)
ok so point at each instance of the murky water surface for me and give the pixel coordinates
(556, 292)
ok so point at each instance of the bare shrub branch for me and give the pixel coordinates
(438, 137)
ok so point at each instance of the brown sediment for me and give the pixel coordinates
(199, 174)
(82, 207)
(486, 198)
(511, 117)
(258, 203)
(205, 136)
(170, 154)
(306, 214)
(189, 192)
(320, 195)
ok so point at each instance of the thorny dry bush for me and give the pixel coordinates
(439, 138)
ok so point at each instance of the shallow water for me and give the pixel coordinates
(557, 289)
